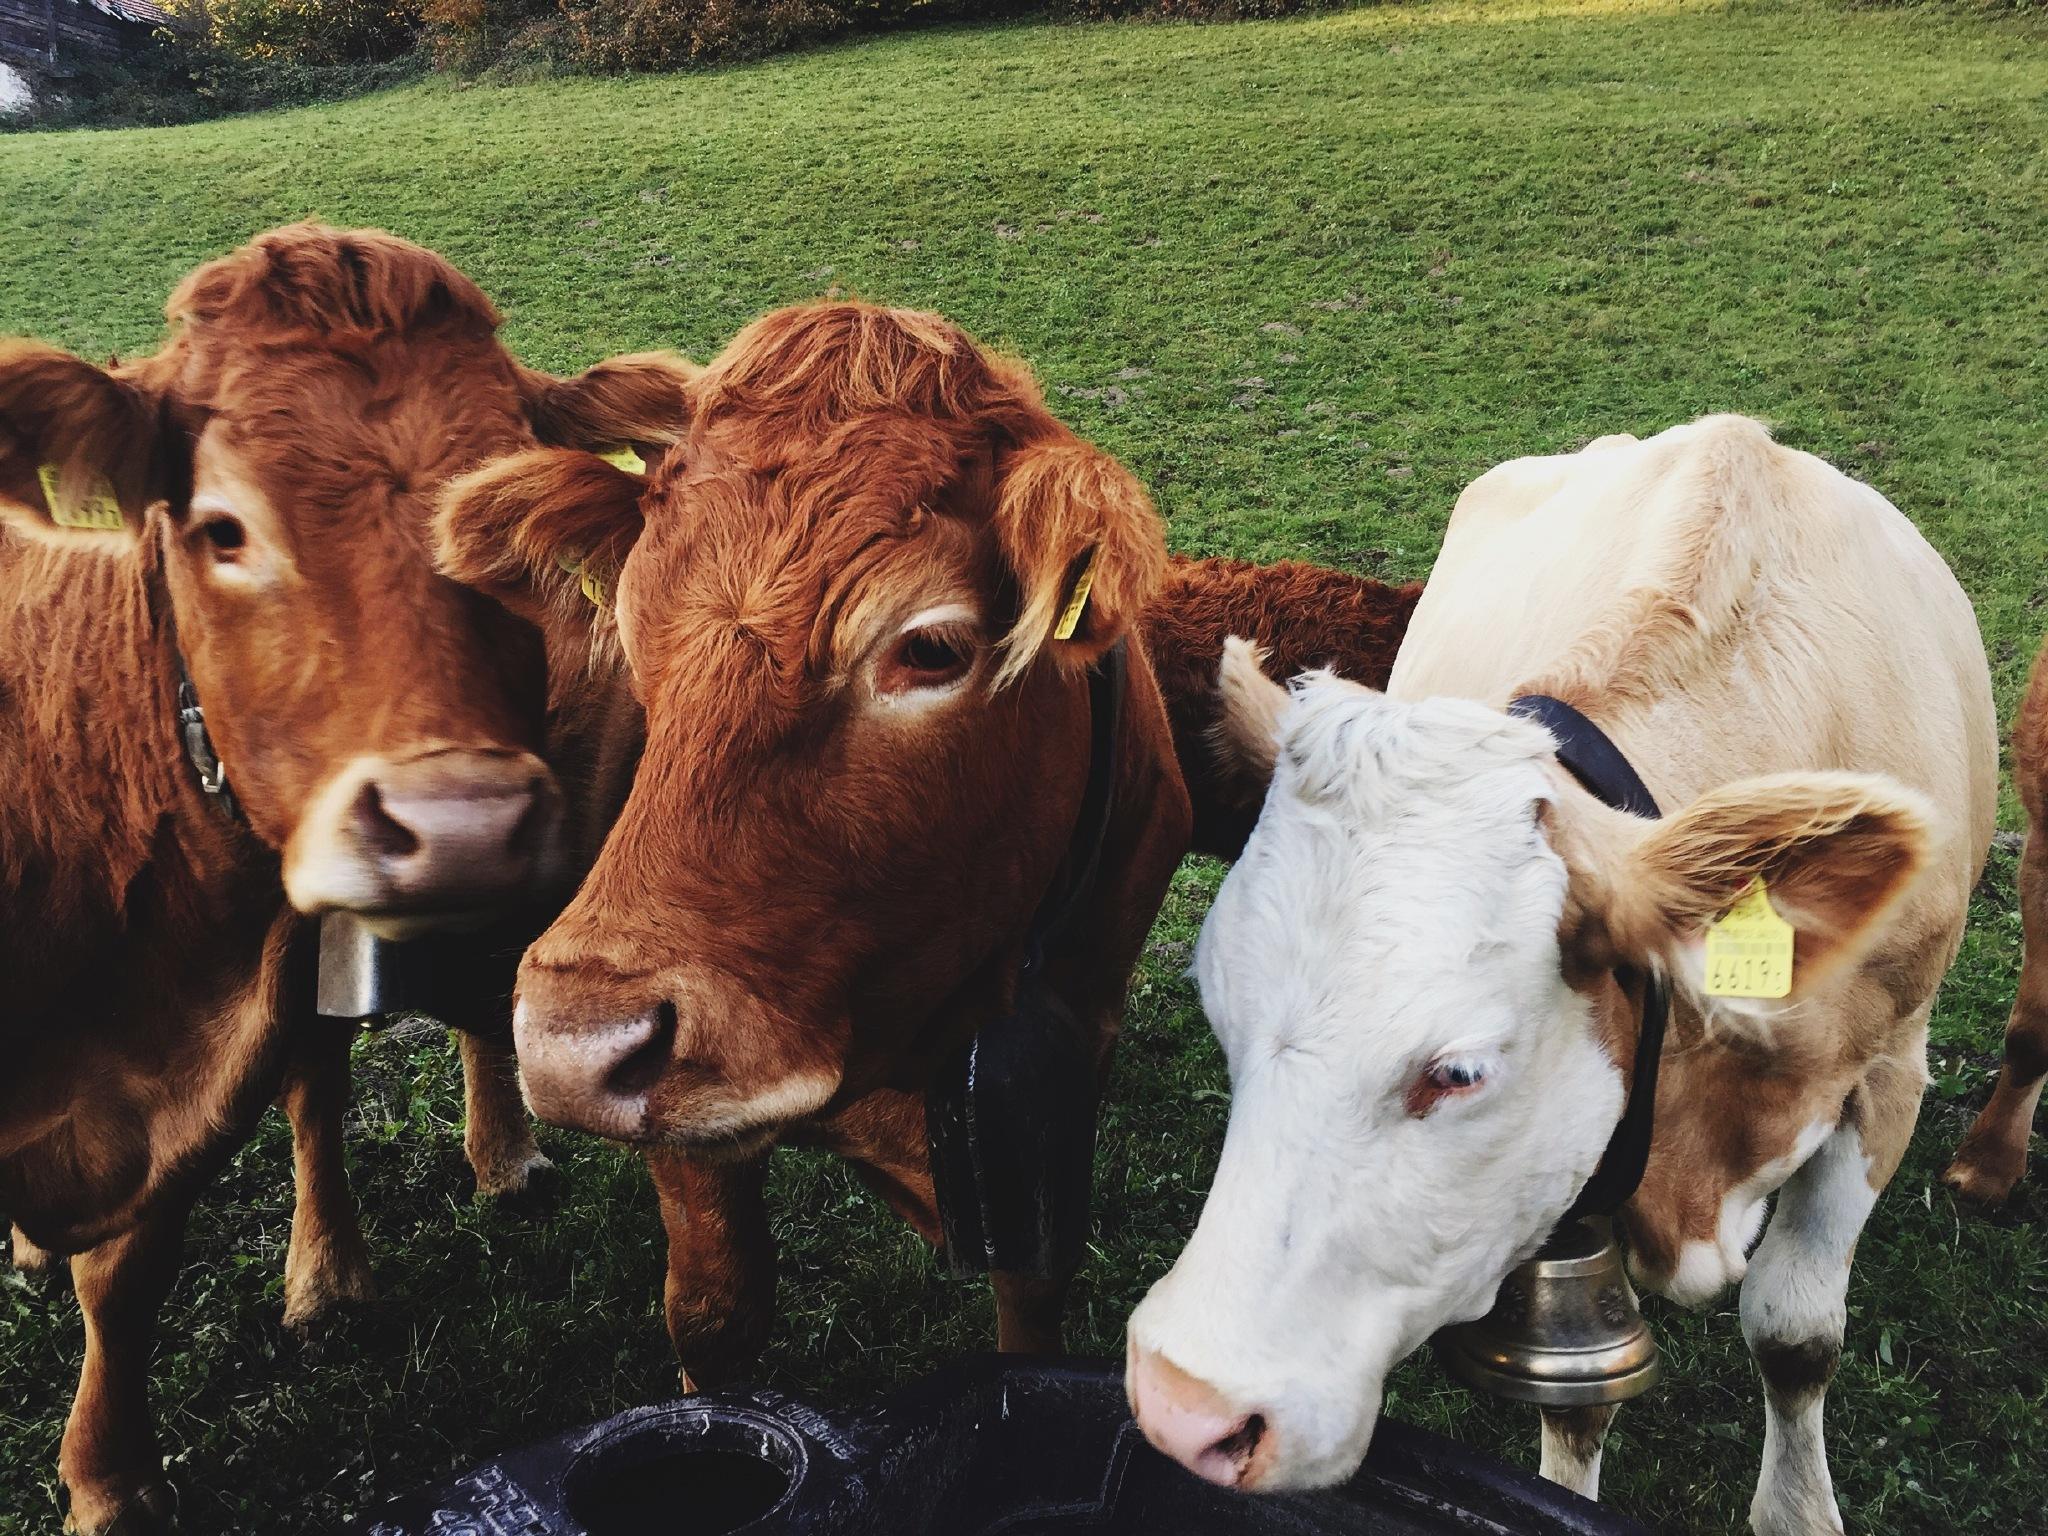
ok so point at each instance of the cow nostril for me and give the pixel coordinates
(526, 832)
(641, 1068)
(1242, 1443)
(380, 831)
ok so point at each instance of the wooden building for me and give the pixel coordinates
(53, 33)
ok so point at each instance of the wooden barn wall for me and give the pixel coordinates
(24, 30)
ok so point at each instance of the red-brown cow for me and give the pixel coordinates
(1994, 1155)
(859, 602)
(242, 516)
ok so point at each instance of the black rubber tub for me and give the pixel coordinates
(993, 1444)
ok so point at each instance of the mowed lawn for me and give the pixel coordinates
(1308, 279)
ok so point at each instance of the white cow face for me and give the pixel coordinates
(1418, 1092)
(1417, 1095)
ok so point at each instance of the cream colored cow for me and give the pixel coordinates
(1411, 969)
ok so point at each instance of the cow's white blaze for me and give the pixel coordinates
(1396, 908)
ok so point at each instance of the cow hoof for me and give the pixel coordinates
(316, 1298)
(532, 1188)
(1983, 1178)
(150, 1510)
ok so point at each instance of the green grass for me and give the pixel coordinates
(1308, 278)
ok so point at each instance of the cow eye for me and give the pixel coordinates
(925, 658)
(1451, 1076)
(225, 534)
(1441, 1080)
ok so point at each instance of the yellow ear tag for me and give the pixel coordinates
(1077, 601)
(96, 509)
(1749, 949)
(625, 458)
(588, 581)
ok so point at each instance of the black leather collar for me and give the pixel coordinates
(1586, 753)
(1011, 1118)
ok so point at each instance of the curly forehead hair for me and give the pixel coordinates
(308, 278)
(816, 366)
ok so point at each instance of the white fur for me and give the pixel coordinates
(1565, 1464)
(1796, 1292)
(1706, 1269)
(1398, 904)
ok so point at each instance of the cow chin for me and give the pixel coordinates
(725, 1127)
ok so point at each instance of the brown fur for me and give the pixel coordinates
(154, 973)
(1303, 617)
(1993, 1157)
(822, 891)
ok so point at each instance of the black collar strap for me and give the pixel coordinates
(1587, 754)
(1076, 879)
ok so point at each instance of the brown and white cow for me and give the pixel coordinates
(840, 600)
(1412, 967)
(250, 504)
(1993, 1156)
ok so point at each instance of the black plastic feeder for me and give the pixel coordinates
(990, 1445)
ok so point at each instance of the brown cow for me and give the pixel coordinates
(1993, 1156)
(1302, 617)
(244, 513)
(860, 603)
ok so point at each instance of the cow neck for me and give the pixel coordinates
(207, 768)
(1588, 755)
(1075, 882)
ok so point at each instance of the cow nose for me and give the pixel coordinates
(435, 828)
(595, 1077)
(1194, 1424)
(445, 831)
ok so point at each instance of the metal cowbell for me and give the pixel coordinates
(1564, 1332)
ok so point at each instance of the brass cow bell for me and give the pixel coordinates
(1564, 1331)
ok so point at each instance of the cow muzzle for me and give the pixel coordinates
(417, 842)
(683, 1071)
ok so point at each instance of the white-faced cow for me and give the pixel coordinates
(1412, 969)
(233, 532)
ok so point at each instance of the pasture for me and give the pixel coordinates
(1307, 279)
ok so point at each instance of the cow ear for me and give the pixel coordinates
(1085, 545)
(77, 445)
(1834, 853)
(544, 532)
(1246, 736)
(640, 402)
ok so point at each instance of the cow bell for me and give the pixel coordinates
(1564, 1331)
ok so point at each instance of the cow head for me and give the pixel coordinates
(847, 603)
(272, 469)
(1411, 971)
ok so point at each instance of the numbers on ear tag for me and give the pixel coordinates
(1749, 949)
(97, 509)
(624, 457)
(1077, 600)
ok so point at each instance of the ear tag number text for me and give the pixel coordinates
(1749, 949)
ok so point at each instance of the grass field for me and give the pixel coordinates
(1308, 279)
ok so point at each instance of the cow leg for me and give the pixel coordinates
(1794, 1308)
(497, 1135)
(720, 1293)
(109, 1463)
(1994, 1155)
(1572, 1441)
(26, 1256)
(327, 1263)
(883, 1136)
